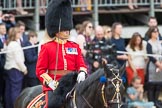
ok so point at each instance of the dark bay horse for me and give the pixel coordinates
(102, 89)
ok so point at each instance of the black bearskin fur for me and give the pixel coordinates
(56, 10)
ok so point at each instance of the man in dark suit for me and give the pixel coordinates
(24, 37)
(3, 38)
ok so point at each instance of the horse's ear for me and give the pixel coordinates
(104, 65)
(107, 69)
(122, 69)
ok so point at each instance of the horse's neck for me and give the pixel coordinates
(93, 95)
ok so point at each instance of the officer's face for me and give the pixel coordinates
(63, 35)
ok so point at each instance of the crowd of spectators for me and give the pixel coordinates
(17, 66)
(141, 70)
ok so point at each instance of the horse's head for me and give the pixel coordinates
(102, 89)
(111, 69)
(112, 87)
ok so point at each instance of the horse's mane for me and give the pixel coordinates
(87, 82)
(66, 83)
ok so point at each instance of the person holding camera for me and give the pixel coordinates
(9, 20)
(99, 36)
(99, 49)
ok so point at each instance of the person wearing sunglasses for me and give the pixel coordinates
(154, 66)
(107, 32)
(152, 21)
(83, 38)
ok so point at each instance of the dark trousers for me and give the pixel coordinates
(2, 85)
(14, 80)
(153, 92)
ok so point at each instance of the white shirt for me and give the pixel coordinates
(137, 60)
(15, 57)
(80, 40)
(156, 48)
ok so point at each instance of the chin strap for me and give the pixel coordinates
(57, 50)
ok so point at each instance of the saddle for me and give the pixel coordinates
(61, 94)
(38, 102)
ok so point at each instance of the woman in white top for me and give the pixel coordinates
(84, 38)
(15, 67)
(136, 63)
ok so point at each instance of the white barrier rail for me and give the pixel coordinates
(119, 52)
(27, 47)
(149, 55)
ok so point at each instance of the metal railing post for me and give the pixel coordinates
(36, 16)
(95, 13)
(152, 8)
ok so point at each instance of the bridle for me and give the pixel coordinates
(116, 82)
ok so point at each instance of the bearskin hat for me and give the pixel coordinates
(58, 17)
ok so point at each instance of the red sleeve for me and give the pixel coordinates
(42, 63)
(80, 61)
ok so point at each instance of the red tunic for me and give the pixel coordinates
(69, 58)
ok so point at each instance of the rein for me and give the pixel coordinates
(90, 106)
(103, 98)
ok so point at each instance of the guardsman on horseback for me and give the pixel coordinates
(59, 56)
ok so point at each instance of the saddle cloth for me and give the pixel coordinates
(38, 102)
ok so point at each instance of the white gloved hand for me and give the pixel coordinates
(81, 77)
(52, 84)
